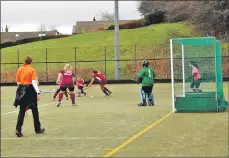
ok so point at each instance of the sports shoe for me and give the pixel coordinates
(74, 104)
(85, 93)
(150, 103)
(58, 104)
(18, 133)
(42, 130)
(53, 99)
(141, 104)
(194, 90)
(67, 98)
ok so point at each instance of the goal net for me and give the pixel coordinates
(196, 73)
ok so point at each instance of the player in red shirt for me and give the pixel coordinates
(102, 80)
(80, 85)
(66, 80)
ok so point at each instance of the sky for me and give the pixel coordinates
(28, 16)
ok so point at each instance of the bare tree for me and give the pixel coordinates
(105, 15)
(52, 27)
(42, 28)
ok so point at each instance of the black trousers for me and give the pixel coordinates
(147, 89)
(21, 115)
(195, 83)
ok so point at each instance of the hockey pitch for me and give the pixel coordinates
(113, 126)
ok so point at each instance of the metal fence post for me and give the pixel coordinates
(18, 59)
(167, 57)
(135, 59)
(75, 60)
(46, 52)
(105, 60)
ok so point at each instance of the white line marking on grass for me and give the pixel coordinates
(17, 110)
(8, 113)
(65, 138)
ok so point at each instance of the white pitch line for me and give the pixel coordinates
(17, 111)
(66, 138)
(8, 113)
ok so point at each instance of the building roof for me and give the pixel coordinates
(14, 36)
(89, 26)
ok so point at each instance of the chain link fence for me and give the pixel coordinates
(49, 61)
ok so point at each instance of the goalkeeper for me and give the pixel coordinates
(146, 77)
(196, 77)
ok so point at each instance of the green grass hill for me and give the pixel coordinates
(91, 46)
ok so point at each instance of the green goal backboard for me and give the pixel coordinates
(205, 54)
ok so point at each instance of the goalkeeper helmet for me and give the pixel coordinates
(145, 63)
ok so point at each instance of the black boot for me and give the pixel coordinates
(194, 90)
(42, 130)
(142, 104)
(18, 133)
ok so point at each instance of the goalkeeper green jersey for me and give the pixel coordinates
(146, 76)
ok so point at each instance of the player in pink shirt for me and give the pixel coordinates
(66, 81)
(102, 80)
(195, 84)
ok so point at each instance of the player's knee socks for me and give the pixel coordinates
(104, 91)
(107, 89)
(66, 94)
(55, 94)
(60, 96)
(72, 97)
(81, 89)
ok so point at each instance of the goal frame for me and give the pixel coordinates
(176, 40)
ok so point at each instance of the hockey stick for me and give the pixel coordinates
(88, 87)
(45, 91)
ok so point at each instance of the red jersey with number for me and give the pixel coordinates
(79, 82)
(100, 77)
(67, 77)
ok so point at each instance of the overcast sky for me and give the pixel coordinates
(28, 16)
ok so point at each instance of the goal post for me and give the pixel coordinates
(196, 75)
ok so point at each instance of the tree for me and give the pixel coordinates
(175, 10)
(105, 15)
(212, 17)
(42, 28)
(209, 16)
(52, 27)
(146, 7)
